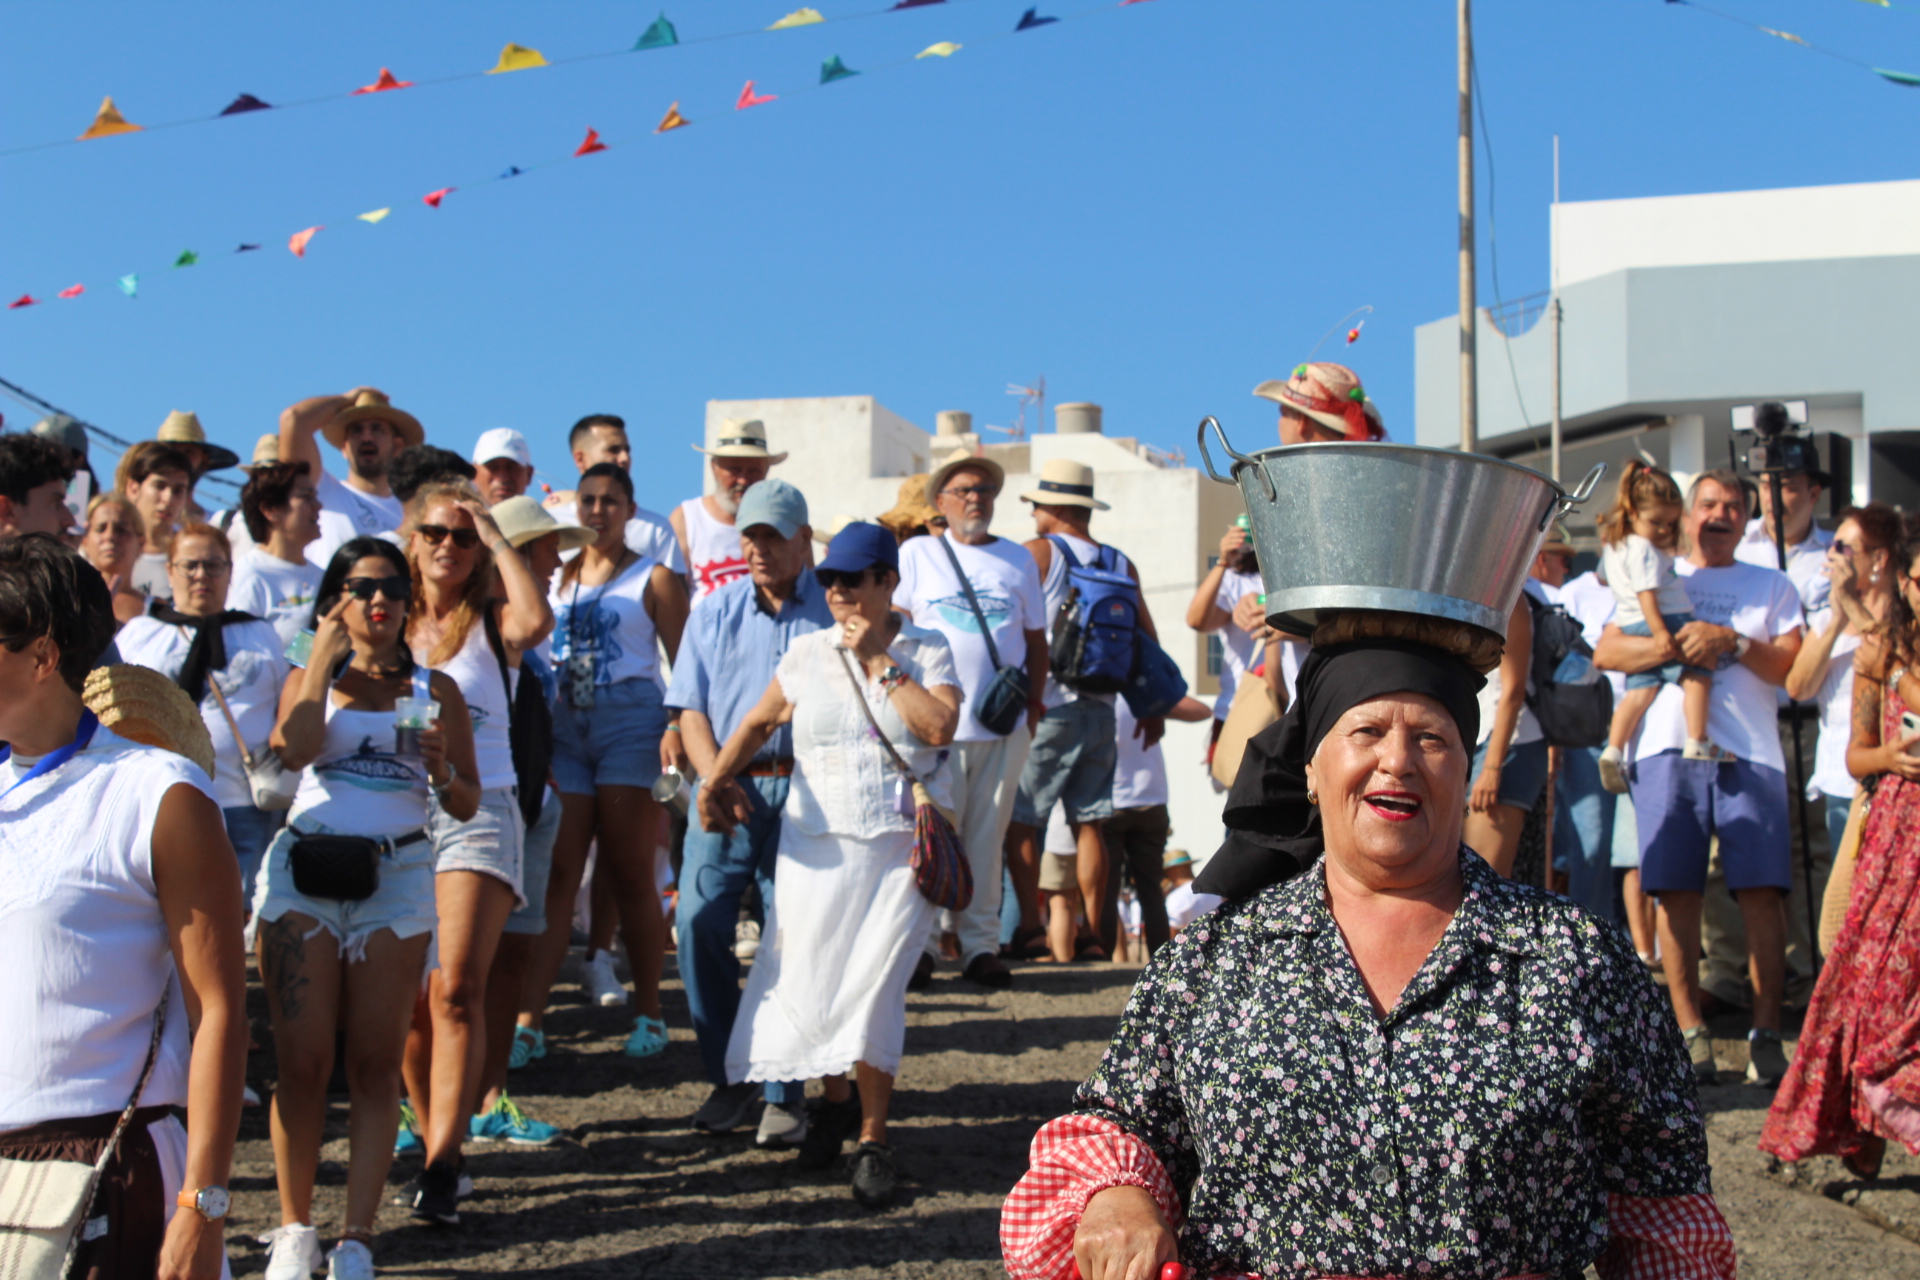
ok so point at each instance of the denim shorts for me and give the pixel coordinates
(1666, 672)
(613, 743)
(403, 903)
(536, 869)
(1071, 762)
(250, 831)
(1523, 775)
(491, 842)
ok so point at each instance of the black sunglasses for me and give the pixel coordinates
(465, 539)
(395, 587)
(847, 579)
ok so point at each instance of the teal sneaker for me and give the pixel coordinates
(407, 1142)
(649, 1037)
(528, 1046)
(504, 1121)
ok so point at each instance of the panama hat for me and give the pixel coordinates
(956, 460)
(738, 438)
(143, 706)
(371, 406)
(522, 520)
(1065, 483)
(183, 429)
(1331, 395)
(266, 452)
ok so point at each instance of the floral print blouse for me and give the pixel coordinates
(1529, 1080)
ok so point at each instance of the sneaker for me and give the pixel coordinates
(1767, 1062)
(1706, 750)
(727, 1107)
(649, 1037)
(294, 1252)
(828, 1125)
(407, 1141)
(922, 973)
(781, 1127)
(437, 1198)
(602, 985)
(350, 1260)
(746, 940)
(1700, 1049)
(528, 1046)
(505, 1122)
(1613, 776)
(874, 1180)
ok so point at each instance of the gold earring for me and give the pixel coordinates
(1313, 797)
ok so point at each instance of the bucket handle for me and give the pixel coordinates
(1239, 459)
(1568, 501)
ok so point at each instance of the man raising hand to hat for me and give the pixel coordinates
(364, 426)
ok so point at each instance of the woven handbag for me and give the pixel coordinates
(940, 867)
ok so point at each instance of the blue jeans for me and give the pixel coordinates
(1583, 833)
(1837, 809)
(250, 831)
(715, 870)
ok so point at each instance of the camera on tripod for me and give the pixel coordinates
(1776, 435)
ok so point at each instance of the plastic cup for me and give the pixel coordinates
(410, 716)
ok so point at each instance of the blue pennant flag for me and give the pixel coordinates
(660, 35)
(834, 69)
(1031, 19)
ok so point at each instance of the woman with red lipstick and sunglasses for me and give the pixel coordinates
(332, 953)
(1378, 1058)
(477, 606)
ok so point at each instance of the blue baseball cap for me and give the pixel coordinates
(774, 503)
(860, 546)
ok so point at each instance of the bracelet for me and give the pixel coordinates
(673, 726)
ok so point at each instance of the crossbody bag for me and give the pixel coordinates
(1002, 700)
(269, 782)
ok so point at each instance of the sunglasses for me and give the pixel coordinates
(394, 588)
(465, 539)
(845, 579)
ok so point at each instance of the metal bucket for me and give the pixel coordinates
(1342, 525)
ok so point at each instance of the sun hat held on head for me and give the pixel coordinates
(522, 520)
(371, 406)
(1065, 483)
(741, 438)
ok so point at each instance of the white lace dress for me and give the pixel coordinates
(846, 924)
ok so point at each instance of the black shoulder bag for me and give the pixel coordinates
(1002, 700)
(529, 727)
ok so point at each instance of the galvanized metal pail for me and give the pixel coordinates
(1342, 525)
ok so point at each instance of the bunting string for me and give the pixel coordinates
(832, 71)
(1903, 78)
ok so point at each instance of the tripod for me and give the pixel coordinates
(1799, 754)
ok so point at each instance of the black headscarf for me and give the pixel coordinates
(1273, 834)
(208, 652)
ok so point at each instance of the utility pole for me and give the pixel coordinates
(1553, 272)
(1469, 309)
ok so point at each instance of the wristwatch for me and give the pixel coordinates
(210, 1203)
(892, 677)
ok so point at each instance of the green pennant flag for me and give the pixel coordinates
(186, 259)
(1898, 77)
(130, 285)
(834, 69)
(660, 35)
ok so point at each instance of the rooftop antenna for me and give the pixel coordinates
(1036, 396)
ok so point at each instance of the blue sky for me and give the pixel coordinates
(1156, 207)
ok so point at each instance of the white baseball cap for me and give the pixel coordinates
(502, 442)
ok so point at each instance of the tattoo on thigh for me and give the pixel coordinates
(283, 957)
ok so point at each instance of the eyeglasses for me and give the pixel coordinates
(465, 539)
(203, 568)
(845, 579)
(973, 493)
(395, 588)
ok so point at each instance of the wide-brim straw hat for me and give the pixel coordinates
(956, 461)
(1065, 483)
(1558, 539)
(910, 508)
(371, 406)
(143, 706)
(839, 522)
(183, 428)
(522, 520)
(1332, 395)
(737, 438)
(266, 452)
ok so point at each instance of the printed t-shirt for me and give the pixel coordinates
(1006, 582)
(268, 587)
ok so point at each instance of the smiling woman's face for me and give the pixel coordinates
(1391, 779)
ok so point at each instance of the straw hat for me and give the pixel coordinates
(839, 522)
(1558, 539)
(184, 429)
(911, 508)
(1065, 483)
(955, 461)
(522, 520)
(1331, 395)
(143, 706)
(738, 438)
(371, 406)
(266, 452)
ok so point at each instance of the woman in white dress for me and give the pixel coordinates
(828, 991)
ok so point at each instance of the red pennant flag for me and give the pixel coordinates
(435, 197)
(591, 145)
(73, 291)
(749, 99)
(384, 83)
(24, 300)
(297, 242)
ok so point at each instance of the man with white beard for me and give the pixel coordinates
(704, 526)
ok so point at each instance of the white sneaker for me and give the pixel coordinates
(601, 983)
(295, 1252)
(350, 1260)
(746, 940)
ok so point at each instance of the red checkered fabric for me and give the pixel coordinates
(1668, 1238)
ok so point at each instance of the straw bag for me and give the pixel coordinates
(1839, 895)
(1254, 707)
(44, 1202)
(940, 867)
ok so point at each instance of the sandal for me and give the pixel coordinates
(1863, 1162)
(1089, 950)
(649, 1037)
(1028, 944)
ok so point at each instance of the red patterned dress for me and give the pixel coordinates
(1856, 1073)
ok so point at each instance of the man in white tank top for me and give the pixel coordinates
(739, 459)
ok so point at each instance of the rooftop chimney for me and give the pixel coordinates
(952, 422)
(1077, 419)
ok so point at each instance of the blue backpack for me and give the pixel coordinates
(1092, 650)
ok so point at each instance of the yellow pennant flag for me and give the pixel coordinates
(672, 120)
(517, 57)
(375, 215)
(798, 18)
(108, 122)
(945, 49)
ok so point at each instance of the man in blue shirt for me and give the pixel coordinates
(733, 641)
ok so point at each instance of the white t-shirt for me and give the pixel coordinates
(252, 680)
(1760, 604)
(1806, 561)
(648, 535)
(1237, 649)
(1633, 565)
(1835, 700)
(1053, 590)
(608, 620)
(268, 587)
(1139, 772)
(1184, 906)
(1527, 728)
(1006, 582)
(150, 575)
(347, 513)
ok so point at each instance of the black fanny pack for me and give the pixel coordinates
(341, 868)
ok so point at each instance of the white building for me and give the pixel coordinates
(850, 453)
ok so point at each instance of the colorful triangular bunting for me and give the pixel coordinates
(129, 285)
(297, 242)
(108, 121)
(591, 145)
(798, 18)
(517, 57)
(672, 120)
(24, 300)
(513, 171)
(748, 98)
(245, 248)
(834, 69)
(1031, 19)
(1898, 77)
(659, 35)
(917, 4)
(73, 291)
(384, 83)
(433, 198)
(945, 49)
(186, 259)
(245, 102)
(374, 215)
